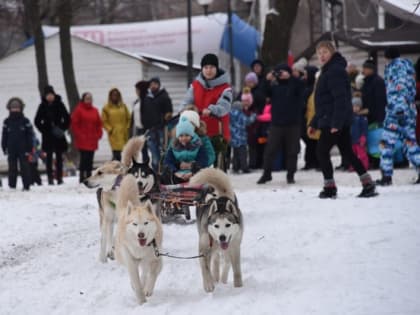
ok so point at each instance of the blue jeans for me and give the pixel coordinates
(154, 143)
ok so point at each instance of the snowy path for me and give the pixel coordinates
(300, 255)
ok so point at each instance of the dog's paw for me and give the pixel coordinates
(110, 255)
(209, 286)
(148, 293)
(141, 301)
(141, 298)
(102, 258)
(237, 283)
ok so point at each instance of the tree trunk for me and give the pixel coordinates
(65, 16)
(32, 14)
(278, 29)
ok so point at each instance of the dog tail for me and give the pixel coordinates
(215, 178)
(131, 150)
(128, 191)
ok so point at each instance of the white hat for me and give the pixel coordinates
(192, 116)
(300, 64)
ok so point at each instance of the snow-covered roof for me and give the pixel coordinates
(389, 43)
(407, 10)
(165, 39)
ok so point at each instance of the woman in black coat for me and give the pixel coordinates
(52, 120)
(333, 115)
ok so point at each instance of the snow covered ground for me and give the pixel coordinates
(300, 255)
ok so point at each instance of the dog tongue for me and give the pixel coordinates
(224, 245)
(142, 241)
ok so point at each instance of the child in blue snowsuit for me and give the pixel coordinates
(400, 117)
(16, 142)
(239, 137)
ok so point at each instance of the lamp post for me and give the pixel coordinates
(230, 31)
(189, 50)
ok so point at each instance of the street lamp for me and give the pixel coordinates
(189, 50)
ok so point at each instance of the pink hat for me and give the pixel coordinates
(251, 77)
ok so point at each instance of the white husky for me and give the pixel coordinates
(107, 179)
(138, 239)
(220, 229)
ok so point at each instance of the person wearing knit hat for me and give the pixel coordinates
(210, 60)
(239, 122)
(192, 116)
(374, 103)
(200, 130)
(246, 97)
(369, 64)
(15, 102)
(287, 105)
(253, 100)
(211, 93)
(156, 111)
(52, 120)
(400, 117)
(186, 154)
(184, 128)
(155, 80)
(48, 89)
(251, 77)
(16, 142)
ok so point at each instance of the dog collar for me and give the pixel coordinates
(117, 182)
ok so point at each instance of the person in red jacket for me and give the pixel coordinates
(211, 93)
(86, 125)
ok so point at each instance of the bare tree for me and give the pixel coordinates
(64, 9)
(32, 15)
(278, 29)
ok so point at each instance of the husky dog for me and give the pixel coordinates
(147, 179)
(138, 239)
(220, 229)
(107, 178)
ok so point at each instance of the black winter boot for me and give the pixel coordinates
(417, 181)
(290, 178)
(328, 192)
(369, 190)
(384, 181)
(266, 177)
(50, 180)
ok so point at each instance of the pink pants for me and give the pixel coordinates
(361, 153)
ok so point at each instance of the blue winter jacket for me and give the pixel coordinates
(17, 134)
(238, 123)
(359, 128)
(400, 90)
(194, 152)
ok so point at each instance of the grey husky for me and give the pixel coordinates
(220, 229)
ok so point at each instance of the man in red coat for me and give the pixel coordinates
(86, 125)
(211, 93)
